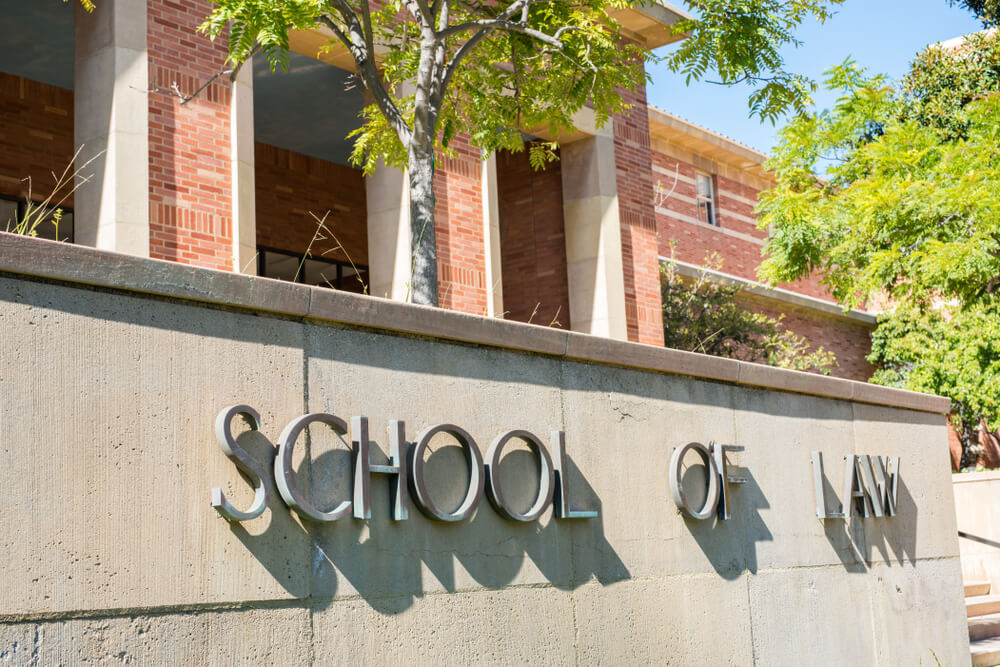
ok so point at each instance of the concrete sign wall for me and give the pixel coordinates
(114, 370)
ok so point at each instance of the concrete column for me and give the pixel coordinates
(111, 124)
(244, 181)
(593, 237)
(491, 238)
(388, 193)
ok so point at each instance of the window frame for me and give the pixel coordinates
(341, 265)
(709, 202)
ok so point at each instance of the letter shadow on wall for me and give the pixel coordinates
(730, 545)
(391, 563)
(855, 538)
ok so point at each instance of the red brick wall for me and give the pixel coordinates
(290, 186)
(848, 341)
(36, 137)
(532, 241)
(734, 238)
(458, 213)
(638, 223)
(190, 206)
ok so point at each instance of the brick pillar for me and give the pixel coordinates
(640, 259)
(110, 124)
(190, 151)
(460, 231)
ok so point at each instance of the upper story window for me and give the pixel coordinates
(705, 198)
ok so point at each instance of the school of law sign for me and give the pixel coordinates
(870, 482)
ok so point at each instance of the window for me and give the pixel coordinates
(705, 198)
(47, 227)
(284, 265)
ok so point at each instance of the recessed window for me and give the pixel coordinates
(705, 198)
(320, 271)
(45, 224)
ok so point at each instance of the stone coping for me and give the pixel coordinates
(981, 476)
(83, 265)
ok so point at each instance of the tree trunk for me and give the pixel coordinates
(423, 251)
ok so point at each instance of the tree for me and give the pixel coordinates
(954, 354)
(907, 213)
(988, 11)
(701, 315)
(434, 67)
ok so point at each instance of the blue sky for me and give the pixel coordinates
(881, 35)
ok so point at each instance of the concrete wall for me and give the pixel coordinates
(113, 370)
(977, 508)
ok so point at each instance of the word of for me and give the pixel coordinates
(717, 478)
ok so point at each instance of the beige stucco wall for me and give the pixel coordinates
(114, 368)
(977, 507)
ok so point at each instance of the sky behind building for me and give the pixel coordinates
(881, 35)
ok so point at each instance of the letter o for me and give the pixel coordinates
(284, 476)
(677, 486)
(546, 481)
(419, 490)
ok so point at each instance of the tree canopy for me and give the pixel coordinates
(492, 70)
(893, 195)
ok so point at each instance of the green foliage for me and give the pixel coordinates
(988, 11)
(511, 80)
(941, 83)
(86, 4)
(741, 41)
(704, 316)
(905, 210)
(954, 353)
(908, 213)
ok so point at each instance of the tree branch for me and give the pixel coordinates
(356, 43)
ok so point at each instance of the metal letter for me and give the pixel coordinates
(419, 489)
(546, 480)
(884, 471)
(719, 453)
(854, 492)
(285, 476)
(821, 511)
(563, 510)
(250, 467)
(363, 468)
(677, 486)
(873, 493)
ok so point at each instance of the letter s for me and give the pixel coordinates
(257, 472)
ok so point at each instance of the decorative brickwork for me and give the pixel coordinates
(532, 241)
(736, 238)
(36, 137)
(459, 230)
(190, 178)
(638, 222)
(290, 186)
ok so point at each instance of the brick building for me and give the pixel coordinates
(240, 177)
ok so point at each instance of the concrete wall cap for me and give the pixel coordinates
(77, 264)
(980, 476)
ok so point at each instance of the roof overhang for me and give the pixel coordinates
(648, 23)
(775, 294)
(674, 130)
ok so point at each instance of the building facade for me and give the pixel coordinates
(244, 176)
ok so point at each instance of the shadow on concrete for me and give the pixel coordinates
(730, 545)
(391, 563)
(855, 538)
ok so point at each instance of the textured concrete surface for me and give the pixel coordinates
(113, 551)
